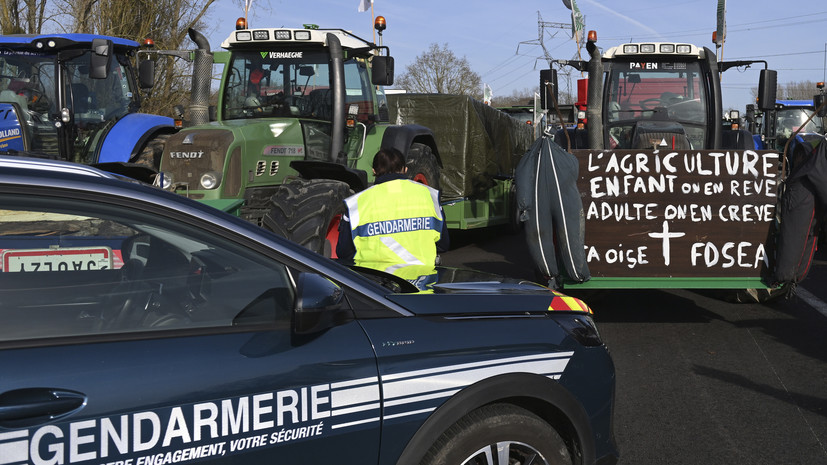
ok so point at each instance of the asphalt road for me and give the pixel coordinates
(701, 380)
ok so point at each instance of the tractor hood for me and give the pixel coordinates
(268, 145)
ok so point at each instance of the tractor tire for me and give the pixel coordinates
(150, 156)
(753, 296)
(256, 205)
(308, 213)
(422, 165)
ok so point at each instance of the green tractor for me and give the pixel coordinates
(300, 114)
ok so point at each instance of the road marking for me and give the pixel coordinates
(812, 300)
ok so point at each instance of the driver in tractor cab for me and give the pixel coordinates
(23, 90)
(253, 99)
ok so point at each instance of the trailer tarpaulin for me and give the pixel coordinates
(476, 142)
(549, 203)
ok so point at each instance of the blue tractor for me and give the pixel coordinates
(789, 117)
(75, 97)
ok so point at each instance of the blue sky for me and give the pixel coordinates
(500, 38)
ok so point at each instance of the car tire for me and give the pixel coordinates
(499, 434)
(308, 213)
(422, 165)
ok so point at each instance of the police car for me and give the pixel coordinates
(138, 327)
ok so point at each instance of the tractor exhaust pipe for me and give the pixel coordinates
(199, 108)
(595, 98)
(337, 77)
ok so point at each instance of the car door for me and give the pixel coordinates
(132, 335)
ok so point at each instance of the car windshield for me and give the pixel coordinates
(665, 91)
(267, 84)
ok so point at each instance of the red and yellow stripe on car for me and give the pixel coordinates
(566, 303)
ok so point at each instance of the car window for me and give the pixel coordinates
(79, 268)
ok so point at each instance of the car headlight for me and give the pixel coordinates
(210, 180)
(582, 328)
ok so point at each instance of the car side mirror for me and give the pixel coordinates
(100, 59)
(320, 304)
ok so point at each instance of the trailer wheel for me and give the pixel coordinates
(422, 165)
(499, 434)
(151, 154)
(308, 213)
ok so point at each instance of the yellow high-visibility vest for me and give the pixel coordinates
(395, 224)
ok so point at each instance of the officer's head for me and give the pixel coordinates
(388, 160)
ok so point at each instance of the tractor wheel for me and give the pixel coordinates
(150, 156)
(754, 296)
(256, 205)
(308, 213)
(422, 165)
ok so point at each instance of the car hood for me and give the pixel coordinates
(455, 291)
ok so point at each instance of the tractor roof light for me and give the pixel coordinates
(683, 48)
(630, 48)
(647, 48)
(240, 23)
(667, 48)
(148, 43)
(380, 24)
(592, 36)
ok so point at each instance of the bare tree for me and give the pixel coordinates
(796, 90)
(22, 16)
(439, 71)
(803, 90)
(164, 21)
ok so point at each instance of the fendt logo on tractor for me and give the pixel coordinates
(198, 154)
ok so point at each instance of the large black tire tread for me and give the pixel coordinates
(422, 165)
(533, 441)
(150, 155)
(304, 210)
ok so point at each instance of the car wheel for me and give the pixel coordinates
(422, 165)
(308, 213)
(499, 434)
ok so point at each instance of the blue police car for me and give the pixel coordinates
(138, 327)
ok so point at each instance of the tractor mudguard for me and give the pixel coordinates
(12, 136)
(401, 138)
(126, 138)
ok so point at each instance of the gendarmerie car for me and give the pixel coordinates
(138, 327)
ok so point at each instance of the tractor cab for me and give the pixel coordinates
(65, 92)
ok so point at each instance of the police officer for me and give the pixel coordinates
(396, 224)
